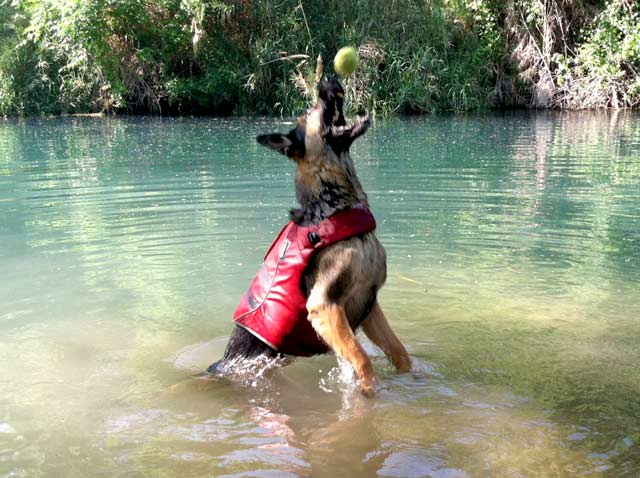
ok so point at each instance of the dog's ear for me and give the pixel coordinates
(279, 142)
(291, 145)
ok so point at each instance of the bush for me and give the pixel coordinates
(246, 57)
(45, 65)
(605, 70)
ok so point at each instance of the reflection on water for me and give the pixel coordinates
(514, 280)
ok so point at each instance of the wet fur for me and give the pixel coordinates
(342, 280)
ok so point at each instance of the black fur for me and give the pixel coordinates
(340, 138)
(331, 93)
(357, 313)
(291, 144)
(332, 198)
(241, 344)
(339, 284)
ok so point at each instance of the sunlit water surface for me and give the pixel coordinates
(514, 280)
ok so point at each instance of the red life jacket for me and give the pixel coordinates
(274, 307)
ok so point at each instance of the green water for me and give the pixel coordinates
(514, 280)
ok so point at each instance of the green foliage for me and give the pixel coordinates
(415, 56)
(564, 54)
(45, 66)
(245, 57)
(10, 25)
(605, 70)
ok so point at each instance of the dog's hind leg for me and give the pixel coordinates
(330, 322)
(379, 331)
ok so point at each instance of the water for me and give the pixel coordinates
(514, 280)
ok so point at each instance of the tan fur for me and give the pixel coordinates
(330, 321)
(314, 135)
(310, 173)
(365, 260)
(379, 332)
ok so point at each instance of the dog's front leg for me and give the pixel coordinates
(330, 322)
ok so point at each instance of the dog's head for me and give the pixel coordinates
(316, 127)
(326, 180)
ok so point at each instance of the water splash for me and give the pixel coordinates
(341, 378)
(255, 372)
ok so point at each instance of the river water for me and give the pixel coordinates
(513, 247)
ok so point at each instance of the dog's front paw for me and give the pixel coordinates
(368, 387)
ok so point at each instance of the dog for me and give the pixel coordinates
(341, 281)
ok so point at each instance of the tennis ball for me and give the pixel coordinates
(346, 61)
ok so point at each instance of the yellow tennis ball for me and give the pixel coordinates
(346, 61)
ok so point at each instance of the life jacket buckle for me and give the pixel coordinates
(314, 238)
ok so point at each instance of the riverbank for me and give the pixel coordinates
(240, 57)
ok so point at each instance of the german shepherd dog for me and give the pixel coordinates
(342, 280)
